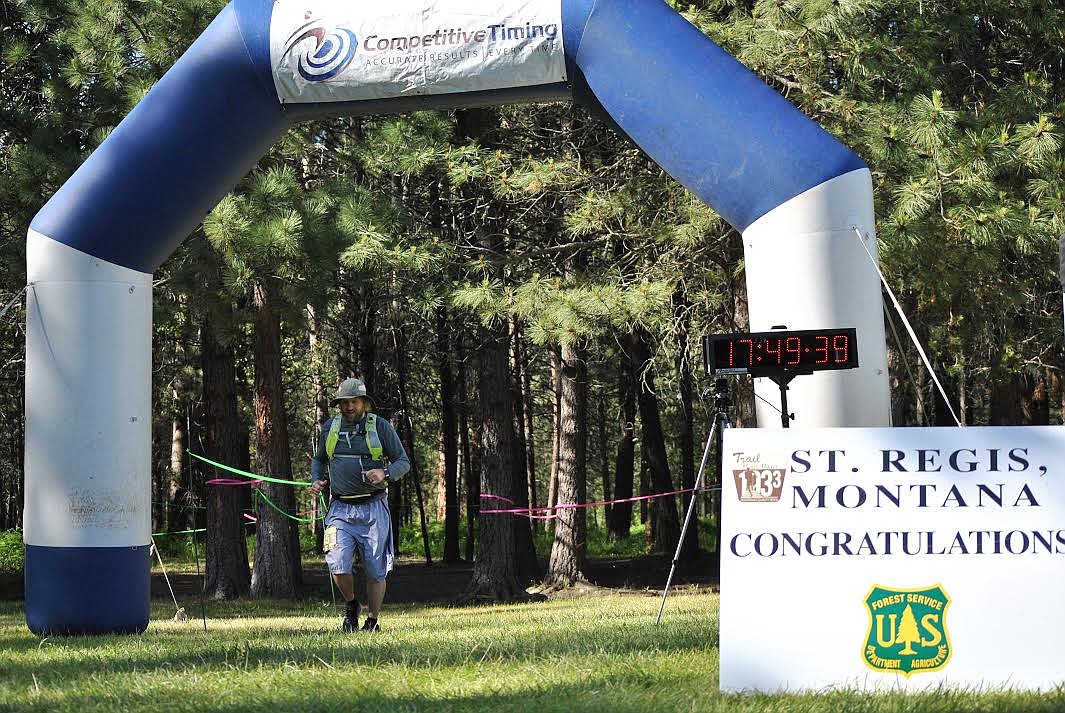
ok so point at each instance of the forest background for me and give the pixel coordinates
(522, 290)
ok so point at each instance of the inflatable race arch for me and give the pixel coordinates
(794, 192)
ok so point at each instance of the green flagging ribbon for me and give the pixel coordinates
(269, 502)
(256, 476)
(272, 504)
(253, 476)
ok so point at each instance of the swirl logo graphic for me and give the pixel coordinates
(333, 50)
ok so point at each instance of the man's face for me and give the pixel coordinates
(353, 409)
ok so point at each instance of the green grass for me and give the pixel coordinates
(589, 653)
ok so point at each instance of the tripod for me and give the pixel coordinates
(720, 423)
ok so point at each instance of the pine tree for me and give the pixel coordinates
(955, 107)
(69, 73)
(261, 235)
(908, 633)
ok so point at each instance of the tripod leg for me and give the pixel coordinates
(687, 518)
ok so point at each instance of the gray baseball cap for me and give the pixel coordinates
(351, 389)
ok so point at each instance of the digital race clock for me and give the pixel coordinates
(781, 352)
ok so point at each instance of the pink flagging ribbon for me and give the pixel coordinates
(571, 506)
(230, 481)
(525, 511)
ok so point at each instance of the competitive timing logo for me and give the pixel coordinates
(332, 51)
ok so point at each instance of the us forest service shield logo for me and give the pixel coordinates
(907, 630)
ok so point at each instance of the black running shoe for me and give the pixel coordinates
(371, 624)
(351, 617)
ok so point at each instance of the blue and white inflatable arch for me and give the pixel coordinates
(794, 192)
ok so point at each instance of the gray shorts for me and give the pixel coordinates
(367, 526)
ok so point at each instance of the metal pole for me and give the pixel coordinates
(688, 517)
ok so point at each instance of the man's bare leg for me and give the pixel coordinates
(375, 596)
(346, 584)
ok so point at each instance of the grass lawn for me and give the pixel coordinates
(596, 652)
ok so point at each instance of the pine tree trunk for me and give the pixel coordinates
(901, 403)
(556, 426)
(406, 430)
(12, 492)
(646, 517)
(690, 548)
(470, 467)
(441, 478)
(367, 341)
(177, 515)
(1037, 402)
(528, 404)
(524, 547)
(448, 509)
(496, 572)
(570, 547)
(276, 572)
(522, 416)
(604, 465)
(12, 464)
(619, 521)
(321, 414)
(920, 404)
(160, 476)
(495, 575)
(357, 345)
(665, 520)
(226, 570)
(448, 442)
(181, 495)
(1057, 387)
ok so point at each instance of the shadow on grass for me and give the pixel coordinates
(615, 689)
(304, 663)
(278, 633)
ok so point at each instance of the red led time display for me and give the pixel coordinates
(781, 351)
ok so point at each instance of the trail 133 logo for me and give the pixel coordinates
(759, 478)
(907, 630)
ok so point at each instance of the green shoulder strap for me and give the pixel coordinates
(332, 437)
(373, 442)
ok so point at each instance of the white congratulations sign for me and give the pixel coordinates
(337, 50)
(905, 558)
